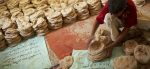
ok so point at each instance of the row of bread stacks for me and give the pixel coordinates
(22, 18)
(60, 11)
(76, 9)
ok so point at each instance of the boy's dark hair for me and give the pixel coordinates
(115, 6)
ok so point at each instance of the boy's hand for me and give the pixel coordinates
(90, 39)
(109, 48)
(109, 51)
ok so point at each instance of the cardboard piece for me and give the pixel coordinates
(30, 54)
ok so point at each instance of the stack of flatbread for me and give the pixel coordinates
(129, 47)
(4, 11)
(82, 10)
(41, 26)
(6, 23)
(97, 46)
(94, 6)
(42, 7)
(56, 4)
(125, 62)
(54, 18)
(16, 12)
(23, 3)
(142, 54)
(2, 41)
(12, 3)
(12, 36)
(24, 26)
(38, 2)
(4, 2)
(139, 2)
(66, 62)
(28, 10)
(36, 15)
(140, 49)
(73, 2)
(69, 15)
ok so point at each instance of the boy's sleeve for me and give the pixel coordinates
(103, 12)
(132, 16)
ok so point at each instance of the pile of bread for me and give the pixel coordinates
(137, 55)
(69, 15)
(94, 6)
(66, 62)
(54, 18)
(21, 19)
(139, 2)
(2, 41)
(82, 10)
(96, 50)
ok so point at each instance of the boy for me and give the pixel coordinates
(117, 14)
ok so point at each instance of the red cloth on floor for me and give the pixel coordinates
(75, 36)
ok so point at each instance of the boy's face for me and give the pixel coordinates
(120, 13)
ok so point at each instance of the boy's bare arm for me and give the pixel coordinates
(120, 38)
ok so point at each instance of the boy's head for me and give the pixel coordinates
(116, 7)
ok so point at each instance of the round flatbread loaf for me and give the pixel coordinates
(82, 10)
(129, 47)
(94, 6)
(1, 36)
(36, 15)
(37, 2)
(6, 23)
(66, 62)
(12, 3)
(23, 3)
(95, 47)
(12, 36)
(139, 2)
(142, 54)
(125, 62)
(29, 11)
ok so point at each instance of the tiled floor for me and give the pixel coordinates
(74, 36)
